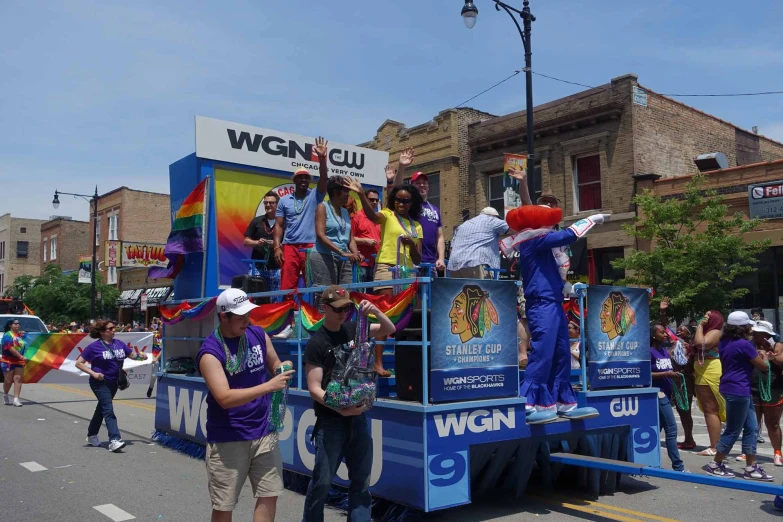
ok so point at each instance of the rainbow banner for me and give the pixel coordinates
(47, 352)
(398, 308)
(174, 313)
(273, 317)
(187, 233)
(311, 318)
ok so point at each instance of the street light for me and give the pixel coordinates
(469, 16)
(94, 200)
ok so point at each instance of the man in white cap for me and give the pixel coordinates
(237, 362)
(474, 247)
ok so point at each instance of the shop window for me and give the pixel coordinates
(21, 248)
(45, 248)
(53, 244)
(587, 183)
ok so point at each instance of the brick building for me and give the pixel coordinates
(63, 240)
(20, 249)
(594, 148)
(441, 152)
(125, 214)
(765, 285)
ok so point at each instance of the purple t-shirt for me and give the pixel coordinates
(735, 357)
(106, 358)
(661, 362)
(249, 421)
(430, 222)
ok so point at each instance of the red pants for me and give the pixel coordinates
(293, 265)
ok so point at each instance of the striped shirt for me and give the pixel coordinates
(475, 243)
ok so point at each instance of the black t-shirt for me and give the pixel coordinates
(320, 352)
(259, 228)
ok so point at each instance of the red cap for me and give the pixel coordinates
(417, 175)
(300, 172)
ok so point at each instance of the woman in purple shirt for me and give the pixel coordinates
(662, 374)
(738, 356)
(106, 356)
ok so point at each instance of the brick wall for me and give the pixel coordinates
(11, 231)
(73, 240)
(146, 217)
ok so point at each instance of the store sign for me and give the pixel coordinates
(766, 200)
(245, 145)
(112, 252)
(85, 269)
(142, 255)
(143, 303)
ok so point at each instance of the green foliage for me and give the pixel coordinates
(59, 298)
(696, 254)
(20, 286)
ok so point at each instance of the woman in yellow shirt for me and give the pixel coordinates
(397, 221)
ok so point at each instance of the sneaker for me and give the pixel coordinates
(149, 392)
(287, 333)
(756, 472)
(17, 403)
(94, 441)
(778, 459)
(719, 470)
(116, 445)
(7, 399)
(760, 440)
(740, 458)
(778, 504)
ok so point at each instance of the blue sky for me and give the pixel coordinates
(101, 92)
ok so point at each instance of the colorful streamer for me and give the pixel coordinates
(172, 314)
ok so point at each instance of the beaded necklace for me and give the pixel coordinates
(765, 384)
(233, 364)
(342, 224)
(412, 231)
(298, 209)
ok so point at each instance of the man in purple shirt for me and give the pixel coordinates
(234, 361)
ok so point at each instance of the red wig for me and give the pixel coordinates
(533, 217)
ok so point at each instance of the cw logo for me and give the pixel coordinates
(624, 406)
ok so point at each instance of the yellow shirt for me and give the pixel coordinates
(390, 231)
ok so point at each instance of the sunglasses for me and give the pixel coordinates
(110, 328)
(372, 200)
(14, 324)
(341, 310)
(404, 201)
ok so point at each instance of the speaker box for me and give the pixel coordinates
(251, 285)
(16, 307)
(4, 306)
(407, 373)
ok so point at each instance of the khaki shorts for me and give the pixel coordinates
(383, 272)
(230, 463)
(471, 272)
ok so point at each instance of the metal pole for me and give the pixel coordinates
(532, 176)
(94, 252)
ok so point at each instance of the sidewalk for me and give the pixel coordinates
(135, 412)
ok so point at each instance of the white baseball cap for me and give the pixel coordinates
(490, 211)
(739, 319)
(763, 327)
(235, 301)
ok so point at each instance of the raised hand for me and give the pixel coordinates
(406, 156)
(353, 184)
(320, 147)
(519, 174)
(391, 172)
(665, 304)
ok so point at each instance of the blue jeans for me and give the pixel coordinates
(105, 392)
(335, 438)
(740, 416)
(669, 427)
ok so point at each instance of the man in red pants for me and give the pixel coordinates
(296, 216)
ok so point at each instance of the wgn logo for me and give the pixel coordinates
(477, 421)
(624, 406)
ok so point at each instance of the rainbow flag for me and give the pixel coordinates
(311, 318)
(273, 317)
(398, 308)
(172, 314)
(187, 233)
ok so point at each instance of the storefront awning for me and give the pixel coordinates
(156, 295)
(129, 298)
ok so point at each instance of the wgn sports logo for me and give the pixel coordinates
(624, 406)
(477, 421)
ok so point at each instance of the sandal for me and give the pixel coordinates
(683, 446)
(709, 452)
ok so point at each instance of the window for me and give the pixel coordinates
(23, 230)
(433, 196)
(2, 283)
(53, 242)
(114, 231)
(45, 248)
(111, 275)
(495, 193)
(98, 232)
(21, 249)
(2, 249)
(601, 267)
(587, 183)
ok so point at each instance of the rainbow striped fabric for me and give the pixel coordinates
(187, 233)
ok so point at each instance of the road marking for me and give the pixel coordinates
(32, 466)
(589, 506)
(133, 404)
(113, 512)
(590, 510)
(61, 467)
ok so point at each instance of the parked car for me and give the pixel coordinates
(28, 323)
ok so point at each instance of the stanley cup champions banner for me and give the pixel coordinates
(618, 337)
(473, 352)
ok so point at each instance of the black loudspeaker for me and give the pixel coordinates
(407, 372)
(4, 306)
(16, 307)
(251, 285)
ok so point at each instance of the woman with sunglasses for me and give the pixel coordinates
(12, 361)
(335, 247)
(106, 356)
(398, 227)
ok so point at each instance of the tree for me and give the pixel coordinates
(60, 298)
(696, 251)
(20, 286)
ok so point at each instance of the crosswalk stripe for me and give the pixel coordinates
(113, 512)
(32, 466)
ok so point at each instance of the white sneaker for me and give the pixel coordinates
(94, 441)
(116, 445)
(7, 399)
(287, 333)
(17, 403)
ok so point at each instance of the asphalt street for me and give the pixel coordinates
(48, 473)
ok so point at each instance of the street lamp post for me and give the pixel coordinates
(94, 201)
(469, 16)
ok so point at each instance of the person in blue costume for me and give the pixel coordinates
(547, 386)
